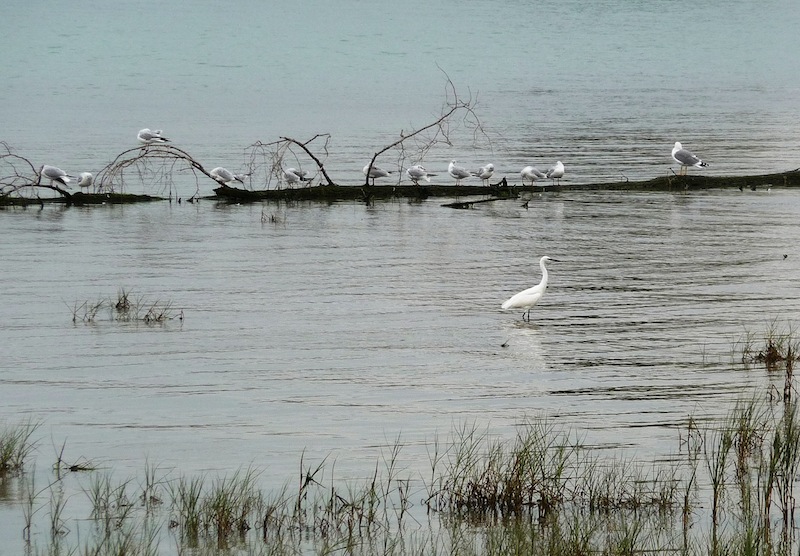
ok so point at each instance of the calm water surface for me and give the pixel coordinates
(337, 329)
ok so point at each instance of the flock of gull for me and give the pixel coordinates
(418, 172)
(415, 173)
(528, 174)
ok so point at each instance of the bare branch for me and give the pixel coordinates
(439, 129)
(19, 174)
(154, 163)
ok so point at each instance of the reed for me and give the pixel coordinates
(186, 505)
(16, 446)
(126, 308)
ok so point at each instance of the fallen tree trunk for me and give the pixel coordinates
(504, 191)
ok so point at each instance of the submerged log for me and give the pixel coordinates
(363, 192)
(689, 182)
(494, 192)
(503, 190)
(79, 199)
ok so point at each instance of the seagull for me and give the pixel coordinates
(531, 173)
(224, 176)
(418, 172)
(485, 173)
(375, 172)
(293, 175)
(457, 172)
(54, 174)
(556, 172)
(86, 179)
(685, 158)
(147, 137)
(530, 297)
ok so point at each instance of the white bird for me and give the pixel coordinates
(86, 179)
(457, 172)
(685, 158)
(54, 174)
(147, 137)
(531, 173)
(293, 175)
(225, 176)
(530, 297)
(375, 172)
(485, 172)
(418, 172)
(556, 172)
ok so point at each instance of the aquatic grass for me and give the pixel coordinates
(717, 446)
(228, 506)
(151, 495)
(186, 493)
(28, 504)
(126, 308)
(541, 491)
(779, 352)
(111, 502)
(16, 445)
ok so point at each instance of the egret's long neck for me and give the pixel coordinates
(544, 273)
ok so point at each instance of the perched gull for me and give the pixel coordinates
(225, 176)
(556, 172)
(418, 172)
(531, 173)
(485, 173)
(147, 137)
(685, 158)
(54, 174)
(293, 175)
(86, 179)
(457, 172)
(375, 172)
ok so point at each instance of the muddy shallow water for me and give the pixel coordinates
(332, 331)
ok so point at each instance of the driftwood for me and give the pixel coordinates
(495, 192)
(504, 190)
(790, 178)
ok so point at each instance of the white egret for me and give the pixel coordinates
(556, 172)
(530, 297)
(147, 137)
(532, 173)
(375, 172)
(225, 176)
(54, 174)
(484, 173)
(418, 172)
(685, 158)
(457, 172)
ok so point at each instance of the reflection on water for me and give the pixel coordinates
(342, 327)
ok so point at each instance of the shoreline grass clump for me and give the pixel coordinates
(780, 351)
(16, 445)
(541, 492)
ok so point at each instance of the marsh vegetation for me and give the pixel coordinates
(126, 307)
(730, 488)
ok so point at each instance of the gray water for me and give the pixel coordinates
(334, 330)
